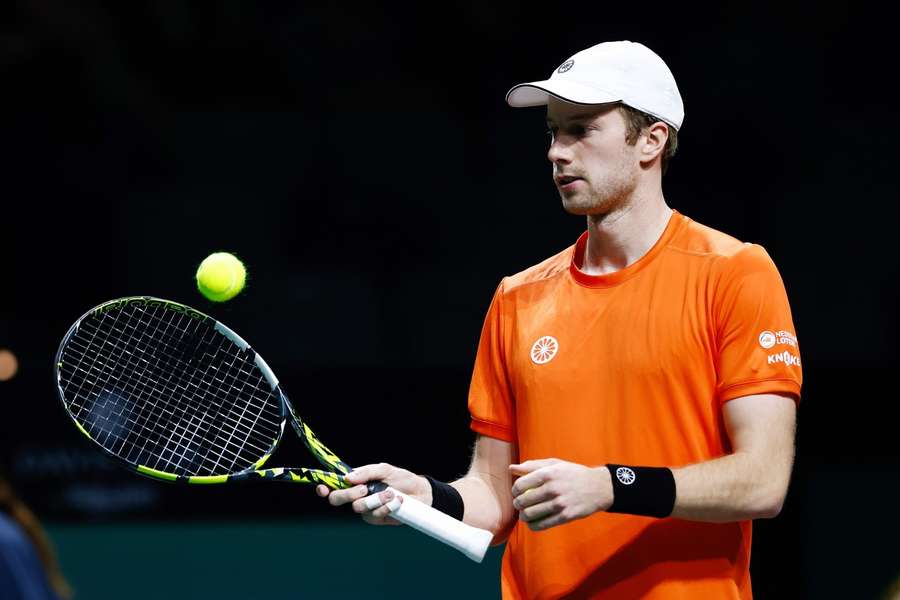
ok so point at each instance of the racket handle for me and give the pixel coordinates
(471, 541)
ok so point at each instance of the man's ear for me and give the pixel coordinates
(654, 141)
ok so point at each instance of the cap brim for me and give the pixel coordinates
(536, 93)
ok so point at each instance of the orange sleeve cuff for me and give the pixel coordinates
(772, 386)
(492, 430)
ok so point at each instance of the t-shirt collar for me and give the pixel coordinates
(617, 277)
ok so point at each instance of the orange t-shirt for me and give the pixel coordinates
(632, 367)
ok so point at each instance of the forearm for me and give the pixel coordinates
(736, 487)
(749, 483)
(487, 503)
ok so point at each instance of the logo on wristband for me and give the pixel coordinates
(625, 475)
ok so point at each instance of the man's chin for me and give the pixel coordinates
(577, 204)
(573, 207)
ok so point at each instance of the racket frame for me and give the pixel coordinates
(333, 479)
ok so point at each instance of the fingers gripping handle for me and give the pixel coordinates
(471, 541)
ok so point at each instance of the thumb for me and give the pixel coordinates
(367, 473)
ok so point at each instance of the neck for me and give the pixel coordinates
(622, 236)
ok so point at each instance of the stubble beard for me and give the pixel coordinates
(601, 198)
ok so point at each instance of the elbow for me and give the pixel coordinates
(502, 527)
(769, 511)
(501, 534)
(494, 517)
(770, 494)
(769, 506)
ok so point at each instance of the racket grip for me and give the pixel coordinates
(471, 541)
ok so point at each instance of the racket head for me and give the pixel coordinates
(169, 392)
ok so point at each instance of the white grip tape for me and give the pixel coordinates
(394, 504)
(471, 541)
(373, 501)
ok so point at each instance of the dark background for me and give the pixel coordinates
(363, 163)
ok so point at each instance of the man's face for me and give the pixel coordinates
(594, 168)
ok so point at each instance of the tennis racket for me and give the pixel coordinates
(175, 395)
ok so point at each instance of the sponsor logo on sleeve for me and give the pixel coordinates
(784, 357)
(770, 339)
(767, 339)
(786, 337)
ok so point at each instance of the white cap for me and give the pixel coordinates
(625, 72)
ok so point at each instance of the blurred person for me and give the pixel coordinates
(28, 566)
(634, 396)
(892, 592)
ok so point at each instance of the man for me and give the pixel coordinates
(635, 394)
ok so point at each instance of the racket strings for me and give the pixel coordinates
(125, 401)
(129, 412)
(216, 384)
(167, 391)
(184, 423)
(110, 370)
(137, 404)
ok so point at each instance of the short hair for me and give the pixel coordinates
(637, 121)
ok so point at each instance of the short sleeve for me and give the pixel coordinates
(757, 348)
(491, 403)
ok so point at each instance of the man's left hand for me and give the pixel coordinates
(550, 492)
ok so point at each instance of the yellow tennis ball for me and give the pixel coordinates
(221, 276)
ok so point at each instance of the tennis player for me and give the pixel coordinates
(634, 395)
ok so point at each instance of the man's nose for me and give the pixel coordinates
(559, 152)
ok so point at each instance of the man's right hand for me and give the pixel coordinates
(400, 479)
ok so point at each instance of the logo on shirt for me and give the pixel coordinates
(544, 350)
(786, 338)
(767, 339)
(784, 357)
(625, 475)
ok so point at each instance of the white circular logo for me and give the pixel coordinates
(544, 350)
(625, 475)
(565, 66)
(767, 339)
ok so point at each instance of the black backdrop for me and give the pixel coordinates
(363, 162)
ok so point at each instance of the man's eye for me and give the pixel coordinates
(576, 131)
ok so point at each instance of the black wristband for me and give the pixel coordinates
(645, 491)
(445, 498)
